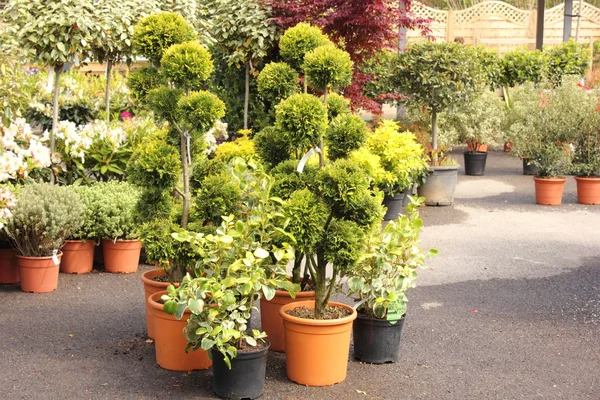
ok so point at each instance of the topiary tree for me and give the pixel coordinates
(568, 58)
(187, 65)
(244, 31)
(299, 40)
(154, 34)
(345, 133)
(53, 34)
(277, 81)
(437, 75)
(327, 67)
(336, 105)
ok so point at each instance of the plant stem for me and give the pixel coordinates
(434, 144)
(107, 93)
(55, 109)
(246, 94)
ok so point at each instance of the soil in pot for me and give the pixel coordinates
(78, 257)
(271, 321)
(394, 205)
(9, 270)
(317, 350)
(39, 274)
(376, 341)
(154, 281)
(170, 342)
(588, 190)
(475, 163)
(549, 191)
(246, 378)
(122, 256)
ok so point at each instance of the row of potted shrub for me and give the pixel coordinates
(55, 228)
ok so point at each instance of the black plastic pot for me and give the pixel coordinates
(376, 341)
(245, 379)
(528, 168)
(394, 206)
(407, 192)
(475, 162)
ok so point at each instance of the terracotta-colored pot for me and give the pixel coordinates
(270, 320)
(78, 257)
(549, 191)
(588, 190)
(170, 342)
(9, 271)
(122, 256)
(150, 287)
(38, 274)
(316, 350)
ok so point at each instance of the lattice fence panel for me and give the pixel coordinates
(588, 11)
(487, 9)
(421, 10)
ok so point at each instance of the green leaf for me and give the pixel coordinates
(268, 291)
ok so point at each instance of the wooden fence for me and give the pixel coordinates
(501, 26)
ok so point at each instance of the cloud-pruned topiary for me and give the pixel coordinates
(187, 65)
(298, 41)
(302, 120)
(277, 81)
(346, 133)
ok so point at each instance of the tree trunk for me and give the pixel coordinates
(402, 31)
(247, 94)
(320, 289)
(321, 142)
(305, 85)
(55, 109)
(434, 144)
(107, 94)
(186, 180)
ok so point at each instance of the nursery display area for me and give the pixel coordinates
(215, 217)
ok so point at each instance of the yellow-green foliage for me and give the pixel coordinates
(400, 155)
(242, 147)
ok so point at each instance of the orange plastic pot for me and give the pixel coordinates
(549, 191)
(150, 287)
(588, 190)
(170, 342)
(78, 257)
(122, 256)
(38, 274)
(270, 319)
(9, 271)
(316, 350)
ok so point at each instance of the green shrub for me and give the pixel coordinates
(142, 81)
(117, 210)
(336, 105)
(44, 216)
(187, 65)
(203, 168)
(155, 163)
(277, 81)
(287, 179)
(345, 244)
(271, 146)
(218, 196)
(163, 101)
(490, 63)
(307, 215)
(339, 183)
(521, 66)
(201, 110)
(154, 203)
(298, 41)
(89, 222)
(301, 119)
(155, 33)
(345, 134)
(328, 66)
(568, 58)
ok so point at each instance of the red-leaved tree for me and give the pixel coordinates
(364, 27)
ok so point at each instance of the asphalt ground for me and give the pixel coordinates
(510, 309)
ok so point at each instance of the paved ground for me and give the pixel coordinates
(509, 310)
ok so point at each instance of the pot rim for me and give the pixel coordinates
(363, 316)
(474, 152)
(444, 168)
(587, 178)
(59, 254)
(552, 179)
(249, 354)
(152, 302)
(316, 322)
(121, 240)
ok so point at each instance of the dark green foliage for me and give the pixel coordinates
(568, 58)
(328, 66)
(203, 168)
(158, 243)
(156, 33)
(301, 119)
(218, 196)
(307, 215)
(142, 81)
(187, 65)
(340, 183)
(298, 41)
(271, 146)
(343, 244)
(366, 210)
(163, 101)
(490, 63)
(155, 163)
(154, 203)
(288, 179)
(521, 66)
(346, 133)
(200, 110)
(277, 81)
(336, 105)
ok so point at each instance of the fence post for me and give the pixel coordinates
(450, 26)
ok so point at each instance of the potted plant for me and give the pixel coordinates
(242, 261)
(437, 75)
(78, 249)
(479, 125)
(118, 228)
(9, 271)
(379, 283)
(44, 216)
